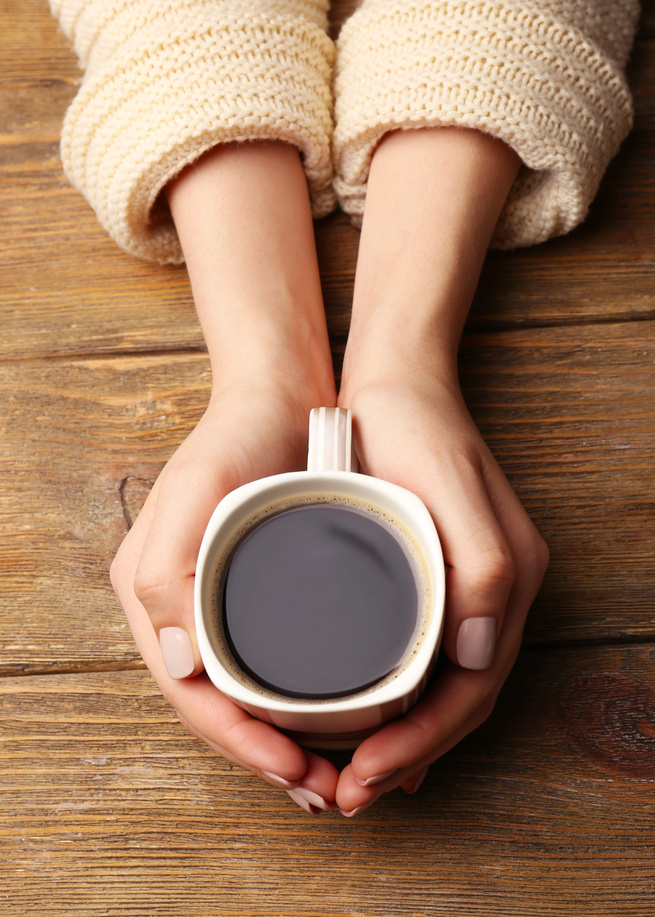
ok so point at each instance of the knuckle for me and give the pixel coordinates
(495, 571)
(535, 556)
(541, 555)
(151, 587)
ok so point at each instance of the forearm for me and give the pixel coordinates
(433, 200)
(244, 220)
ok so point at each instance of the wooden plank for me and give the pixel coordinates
(568, 412)
(81, 445)
(109, 808)
(33, 49)
(67, 288)
(647, 21)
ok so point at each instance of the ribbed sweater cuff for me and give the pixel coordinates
(512, 70)
(179, 86)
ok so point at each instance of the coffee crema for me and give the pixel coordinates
(319, 597)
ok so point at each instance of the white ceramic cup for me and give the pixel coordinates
(340, 722)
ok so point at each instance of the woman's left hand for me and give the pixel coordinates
(422, 437)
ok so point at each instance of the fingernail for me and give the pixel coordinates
(417, 781)
(280, 781)
(377, 779)
(476, 642)
(310, 802)
(361, 808)
(176, 651)
(312, 798)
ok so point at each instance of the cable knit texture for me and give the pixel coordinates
(545, 76)
(166, 80)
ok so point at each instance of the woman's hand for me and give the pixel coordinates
(418, 434)
(433, 200)
(244, 434)
(243, 216)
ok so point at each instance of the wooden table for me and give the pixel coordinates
(107, 806)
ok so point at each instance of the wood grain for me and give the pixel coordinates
(114, 810)
(82, 443)
(568, 413)
(107, 806)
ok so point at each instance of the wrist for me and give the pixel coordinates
(433, 200)
(291, 378)
(394, 356)
(244, 220)
(271, 343)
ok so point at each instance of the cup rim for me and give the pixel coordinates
(247, 500)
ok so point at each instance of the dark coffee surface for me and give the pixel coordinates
(319, 601)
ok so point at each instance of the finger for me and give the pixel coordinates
(216, 719)
(355, 795)
(353, 799)
(165, 573)
(414, 783)
(458, 701)
(444, 711)
(235, 735)
(480, 566)
(205, 712)
(316, 792)
(529, 550)
(515, 570)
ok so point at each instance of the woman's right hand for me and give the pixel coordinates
(246, 433)
(243, 216)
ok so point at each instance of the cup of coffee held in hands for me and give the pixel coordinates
(319, 595)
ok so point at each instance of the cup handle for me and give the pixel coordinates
(331, 440)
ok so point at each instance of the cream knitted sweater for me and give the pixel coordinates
(165, 80)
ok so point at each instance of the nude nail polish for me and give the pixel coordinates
(312, 798)
(282, 782)
(176, 651)
(358, 809)
(476, 642)
(304, 803)
(377, 779)
(417, 781)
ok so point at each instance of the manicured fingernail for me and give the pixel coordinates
(476, 642)
(310, 802)
(362, 808)
(312, 798)
(377, 779)
(176, 651)
(417, 781)
(280, 781)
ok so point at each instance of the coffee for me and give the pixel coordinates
(319, 598)
(376, 641)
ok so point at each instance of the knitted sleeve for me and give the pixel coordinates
(165, 80)
(545, 76)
